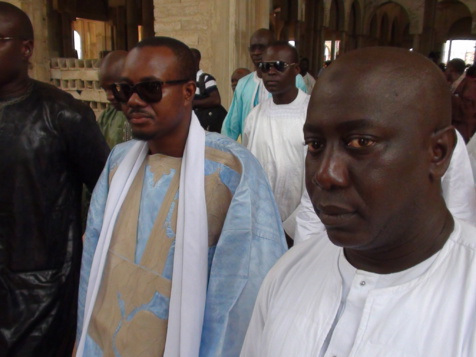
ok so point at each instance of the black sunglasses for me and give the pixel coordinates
(280, 66)
(149, 91)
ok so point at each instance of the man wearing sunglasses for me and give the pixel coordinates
(50, 146)
(182, 226)
(273, 129)
(250, 90)
(112, 122)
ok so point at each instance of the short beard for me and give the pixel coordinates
(142, 136)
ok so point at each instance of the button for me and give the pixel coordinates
(362, 283)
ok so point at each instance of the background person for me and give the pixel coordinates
(237, 75)
(250, 90)
(50, 145)
(112, 121)
(273, 130)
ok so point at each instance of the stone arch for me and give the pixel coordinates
(471, 6)
(413, 10)
(354, 19)
(448, 15)
(384, 30)
(334, 14)
(354, 25)
(388, 24)
(311, 40)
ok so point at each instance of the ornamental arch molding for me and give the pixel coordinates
(414, 9)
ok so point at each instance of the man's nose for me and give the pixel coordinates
(331, 171)
(136, 101)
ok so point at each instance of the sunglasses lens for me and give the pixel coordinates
(265, 67)
(280, 66)
(150, 92)
(122, 92)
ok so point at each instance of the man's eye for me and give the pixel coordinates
(360, 143)
(314, 145)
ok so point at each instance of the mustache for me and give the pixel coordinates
(142, 112)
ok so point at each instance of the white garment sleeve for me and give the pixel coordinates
(308, 223)
(471, 147)
(458, 186)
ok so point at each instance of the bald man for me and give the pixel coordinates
(112, 122)
(397, 275)
(51, 145)
(237, 75)
(250, 91)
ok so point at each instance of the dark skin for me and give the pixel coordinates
(304, 65)
(237, 75)
(213, 99)
(165, 124)
(378, 145)
(258, 42)
(110, 73)
(282, 85)
(451, 74)
(14, 56)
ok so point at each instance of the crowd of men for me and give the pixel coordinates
(186, 247)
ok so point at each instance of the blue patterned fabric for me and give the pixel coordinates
(250, 243)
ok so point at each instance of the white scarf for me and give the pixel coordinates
(190, 270)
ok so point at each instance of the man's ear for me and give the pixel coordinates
(27, 49)
(441, 149)
(189, 91)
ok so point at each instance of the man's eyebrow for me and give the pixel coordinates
(144, 79)
(352, 124)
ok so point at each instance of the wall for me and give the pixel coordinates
(219, 29)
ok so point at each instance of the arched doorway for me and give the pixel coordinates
(389, 26)
(333, 33)
(354, 26)
(453, 31)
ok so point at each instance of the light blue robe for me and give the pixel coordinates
(246, 97)
(250, 242)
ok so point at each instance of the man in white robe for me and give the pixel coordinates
(472, 154)
(457, 186)
(398, 273)
(250, 90)
(174, 250)
(273, 129)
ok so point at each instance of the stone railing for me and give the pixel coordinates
(80, 79)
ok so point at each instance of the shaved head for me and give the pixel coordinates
(21, 24)
(16, 50)
(237, 75)
(111, 66)
(396, 78)
(379, 137)
(110, 72)
(259, 40)
(264, 34)
(241, 72)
